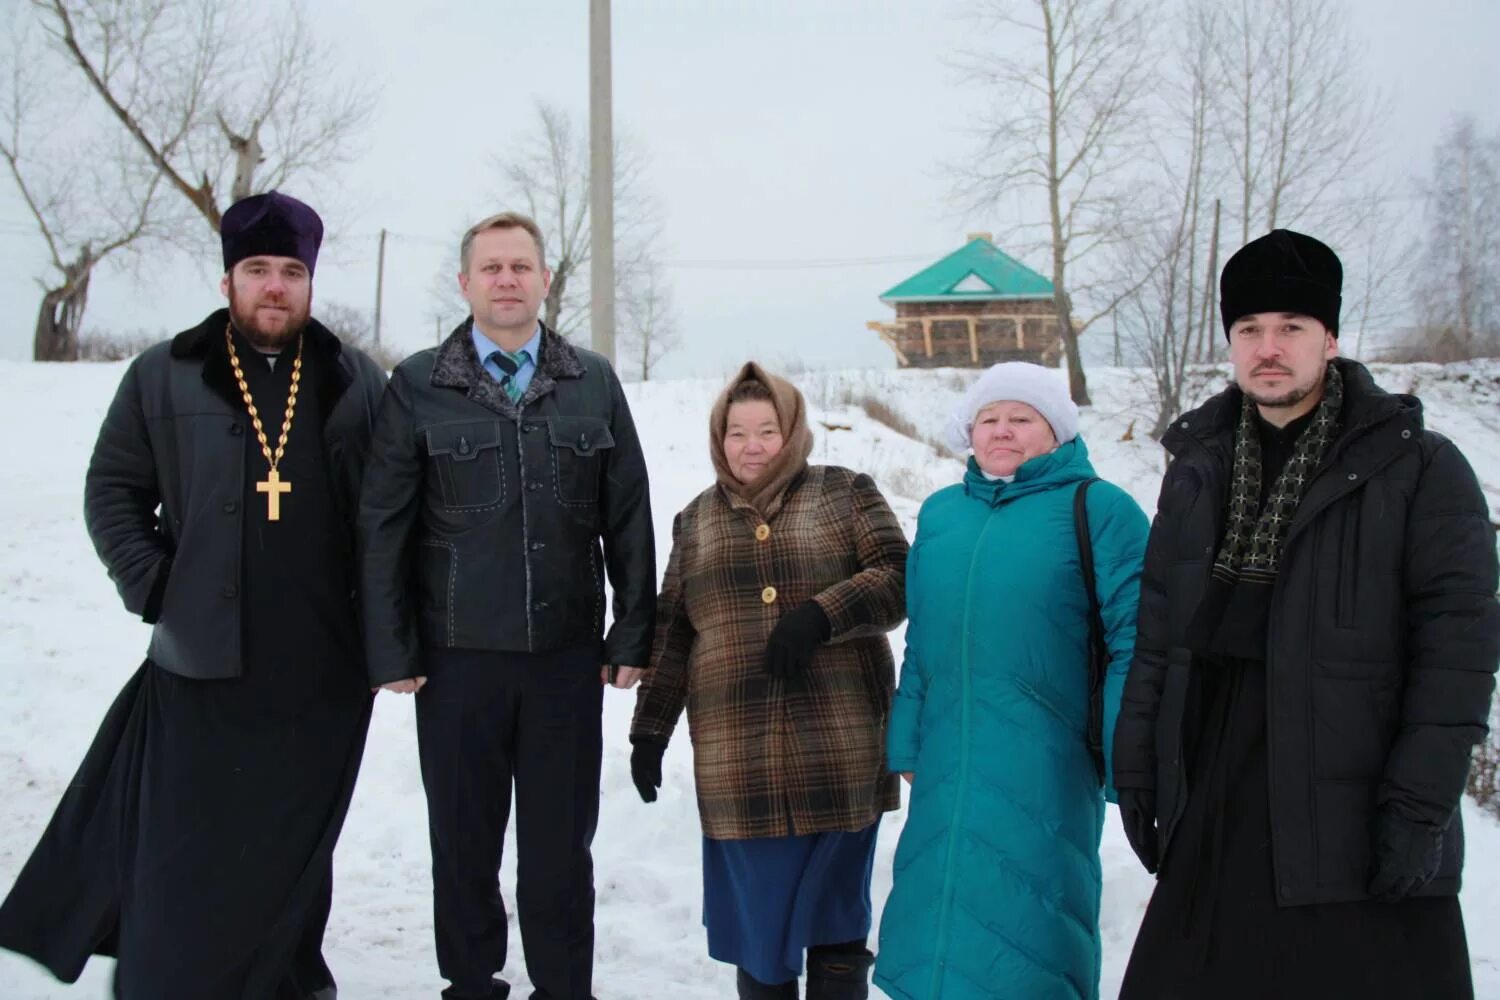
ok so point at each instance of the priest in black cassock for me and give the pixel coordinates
(195, 844)
(1315, 653)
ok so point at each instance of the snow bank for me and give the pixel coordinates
(66, 647)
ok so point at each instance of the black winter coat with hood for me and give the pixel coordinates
(1383, 644)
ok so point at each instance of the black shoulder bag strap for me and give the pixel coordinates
(1098, 648)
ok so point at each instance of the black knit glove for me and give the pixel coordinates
(795, 638)
(645, 765)
(1407, 856)
(1138, 812)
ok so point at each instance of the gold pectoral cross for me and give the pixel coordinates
(272, 486)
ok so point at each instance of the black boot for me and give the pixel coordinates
(499, 990)
(751, 988)
(835, 975)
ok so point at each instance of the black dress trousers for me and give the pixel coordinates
(486, 720)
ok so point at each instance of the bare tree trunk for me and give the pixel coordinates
(1247, 134)
(1067, 109)
(59, 318)
(1205, 339)
(552, 306)
(1114, 321)
(1078, 385)
(248, 154)
(1464, 329)
(1283, 120)
(1299, 125)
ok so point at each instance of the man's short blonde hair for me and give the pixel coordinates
(505, 220)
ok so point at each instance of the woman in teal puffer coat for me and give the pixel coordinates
(997, 876)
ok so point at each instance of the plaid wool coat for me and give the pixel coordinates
(773, 757)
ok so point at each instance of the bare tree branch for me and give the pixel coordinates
(648, 321)
(1066, 108)
(211, 124)
(1457, 285)
(548, 172)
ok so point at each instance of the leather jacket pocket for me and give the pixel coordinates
(464, 456)
(578, 445)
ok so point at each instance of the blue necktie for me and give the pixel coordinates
(510, 364)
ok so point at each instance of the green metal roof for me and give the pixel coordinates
(978, 270)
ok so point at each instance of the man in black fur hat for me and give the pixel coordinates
(1317, 644)
(195, 843)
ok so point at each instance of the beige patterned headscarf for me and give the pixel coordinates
(797, 440)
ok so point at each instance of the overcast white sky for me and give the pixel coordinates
(777, 131)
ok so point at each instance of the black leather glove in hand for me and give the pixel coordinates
(645, 765)
(1138, 811)
(795, 638)
(1407, 856)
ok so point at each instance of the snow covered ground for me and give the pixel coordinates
(66, 647)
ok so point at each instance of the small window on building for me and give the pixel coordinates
(973, 283)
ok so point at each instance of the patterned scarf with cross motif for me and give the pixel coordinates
(1233, 615)
(1252, 542)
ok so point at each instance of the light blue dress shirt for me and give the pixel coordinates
(485, 347)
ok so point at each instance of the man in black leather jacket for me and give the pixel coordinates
(1315, 655)
(196, 841)
(505, 483)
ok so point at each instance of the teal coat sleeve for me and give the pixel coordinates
(903, 733)
(1118, 530)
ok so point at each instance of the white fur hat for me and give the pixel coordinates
(1044, 389)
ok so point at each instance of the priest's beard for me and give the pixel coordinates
(1290, 397)
(268, 333)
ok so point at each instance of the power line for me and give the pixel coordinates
(712, 264)
(795, 265)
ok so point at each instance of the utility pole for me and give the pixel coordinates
(379, 284)
(601, 184)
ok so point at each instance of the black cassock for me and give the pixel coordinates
(196, 840)
(1213, 928)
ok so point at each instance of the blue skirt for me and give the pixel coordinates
(767, 900)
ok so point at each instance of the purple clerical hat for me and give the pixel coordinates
(273, 225)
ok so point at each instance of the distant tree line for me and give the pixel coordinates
(1133, 144)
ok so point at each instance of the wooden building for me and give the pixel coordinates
(976, 306)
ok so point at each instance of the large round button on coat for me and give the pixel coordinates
(768, 596)
(762, 532)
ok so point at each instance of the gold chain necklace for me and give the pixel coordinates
(273, 485)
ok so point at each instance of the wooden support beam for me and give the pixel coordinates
(927, 336)
(1020, 322)
(887, 334)
(973, 340)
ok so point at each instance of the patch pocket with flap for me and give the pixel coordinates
(578, 448)
(464, 457)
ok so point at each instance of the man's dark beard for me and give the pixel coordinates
(264, 340)
(1289, 398)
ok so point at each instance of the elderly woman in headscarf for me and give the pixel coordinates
(782, 581)
(997, 875)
